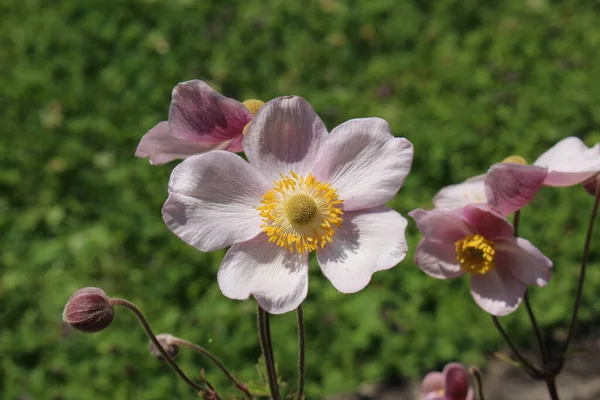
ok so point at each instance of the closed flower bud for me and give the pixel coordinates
(88, 310)
(166, 341)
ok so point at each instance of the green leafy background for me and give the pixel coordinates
(468, 82)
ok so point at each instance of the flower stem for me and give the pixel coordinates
(478, 380)
(531, 370)
(536, 329)
(202, 351)
(551, 384)
(301, 353)
(264, 330)
(586, 253)
(132, 307)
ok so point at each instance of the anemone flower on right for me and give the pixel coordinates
(479, 241)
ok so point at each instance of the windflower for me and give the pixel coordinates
(200, 120)
(510, 185)
(478, 241)
(451, 384)
(302, 190)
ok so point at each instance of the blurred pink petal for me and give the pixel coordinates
(524, 261)
(364, 162)
(497, 292)
(432, 385)
(440, 225)
(457, 382)
(509, 186)
(487, 222)
(570, 162)
(471, 191)
(437, 259)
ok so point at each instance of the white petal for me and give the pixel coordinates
(285, 135)
(471, 191)
(277, 278)
(498, 292)
(437, 259)
(570, 162)
(524, 261)
(212, 200)
(368, 241)
(364, 162)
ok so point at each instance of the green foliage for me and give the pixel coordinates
(468, 82)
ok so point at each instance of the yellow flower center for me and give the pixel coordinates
(300, 213)
(516, 160)
(475, 254)
(253, 105)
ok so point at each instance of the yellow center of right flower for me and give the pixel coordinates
(475, 254)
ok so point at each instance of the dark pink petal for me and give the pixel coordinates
(432, 385)
(212, 200)
(498, 292)
(274, 276)
(364, 162)
(200, 114)
(509, 186)
(162, 147)
(236, 145)
(457, 382)
(487, 222)
(369, 241)
(471, 191)
(570, 162)
(286, 135)
(443, 226)
(524, 261)
(591, 184)
(437, 259)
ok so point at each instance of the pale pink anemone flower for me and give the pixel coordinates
(567, 163)
(302, 189)
(200, 120)
(454, 383)
(479, 241)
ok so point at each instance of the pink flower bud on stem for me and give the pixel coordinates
(88, 310)
(166, 340)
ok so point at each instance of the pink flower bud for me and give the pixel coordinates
(166, 341)
(88, 310)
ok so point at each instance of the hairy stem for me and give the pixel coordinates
(301, 353)
(264, 330)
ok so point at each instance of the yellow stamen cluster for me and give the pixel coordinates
(300, 213)
(475, 254)
(253, 105)
(516, 160)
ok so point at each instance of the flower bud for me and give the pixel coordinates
(166, 341)
(88, 310)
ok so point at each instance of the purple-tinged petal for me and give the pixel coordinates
(457, 382)
(570, 162)
(498, 292)
(236, 145)
(285, 135)
(431, 386)
(487, 222)
(368, 241)
(212, 200)
(162, 147)
(471, 191)
(509, 186)
(591, 184)
(524, 261)
(200, 114)
(274, 276)
(364, 162)
(443, 226)
(437, 259)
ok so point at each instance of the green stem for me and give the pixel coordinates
(538, 334)
(586, 253)
(264, 330)
(202, 351)
(531, 370)
(132, 307)
(301, 353)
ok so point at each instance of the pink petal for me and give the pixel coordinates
(212, 200)
(440, 225)
(277, 278)
(368, 241)
(487, 222)
(570, 162)
(364, 162)
(162, 147)
(524, 261)
(431, 385)
(200, 114)
(286, 135)
(437, 259)
(591, 184)
(509, 186)
(498, 292)
(457, 382)
(236, 145)
(471, 191)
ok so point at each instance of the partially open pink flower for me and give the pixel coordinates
(454, 383)
(479, 241)
(302, 189)
(200, 120)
